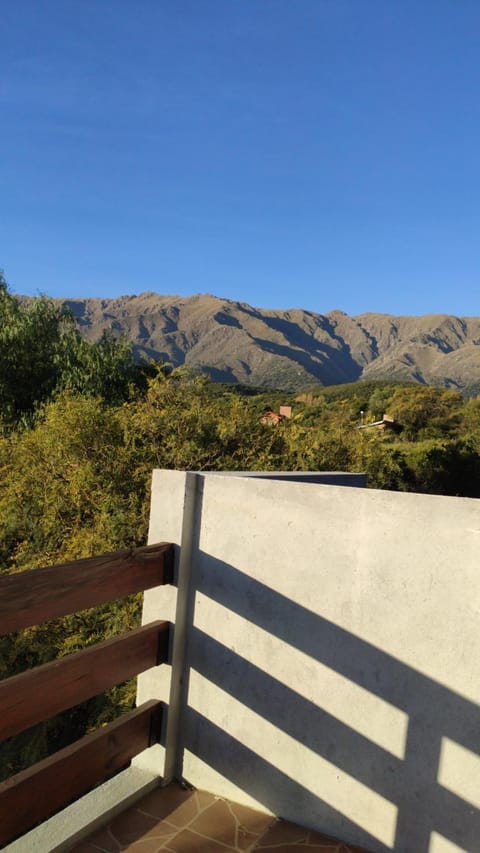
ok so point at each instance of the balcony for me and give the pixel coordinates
(316, 672)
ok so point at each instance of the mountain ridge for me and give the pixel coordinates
(233, 341)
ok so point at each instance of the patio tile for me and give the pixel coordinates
(179, 805)
(229, 824)
(285, 832)
(325, 847)
(133, 824)
(100, 840)
(179, 820)
(217, 822)
(191, 842)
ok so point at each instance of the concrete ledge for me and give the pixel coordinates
(87, 814)
(326, 478)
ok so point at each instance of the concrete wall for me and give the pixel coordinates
(327, 649)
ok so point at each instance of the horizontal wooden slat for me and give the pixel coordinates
(34, 794)
(64, 683)
(35, 596)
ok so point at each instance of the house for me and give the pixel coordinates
(386, 424)
(274, 418)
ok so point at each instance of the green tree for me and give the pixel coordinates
(385, 465)
(425, 412)
(446, 467)
(67, 490)
(42, 353)
(105, 368)
(34, 337)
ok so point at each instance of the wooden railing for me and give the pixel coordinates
(33, 597)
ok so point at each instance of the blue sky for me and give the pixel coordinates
(287, 153)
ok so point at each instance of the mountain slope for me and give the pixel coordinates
(231, 341)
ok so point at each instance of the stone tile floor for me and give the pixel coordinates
(181, 820)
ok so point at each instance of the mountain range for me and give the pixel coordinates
(290, 349)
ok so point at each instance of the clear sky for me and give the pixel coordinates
(287, 153)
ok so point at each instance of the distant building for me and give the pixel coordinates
(386, 424)
(274, 418)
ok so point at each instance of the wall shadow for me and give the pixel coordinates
(252, 773)
(409, 783)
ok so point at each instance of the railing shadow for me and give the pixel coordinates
(411, 784)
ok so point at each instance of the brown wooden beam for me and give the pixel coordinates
(35, 794)
(42, 692)
(35, 596)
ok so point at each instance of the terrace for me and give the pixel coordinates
(315, 672)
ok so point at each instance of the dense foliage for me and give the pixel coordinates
(43, 353)
(83, 426)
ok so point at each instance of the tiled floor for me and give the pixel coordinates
(180, 820)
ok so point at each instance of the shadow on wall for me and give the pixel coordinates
(428, 816)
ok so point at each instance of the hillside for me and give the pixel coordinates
(233, 342)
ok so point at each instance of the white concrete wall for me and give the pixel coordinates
(331, 672)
